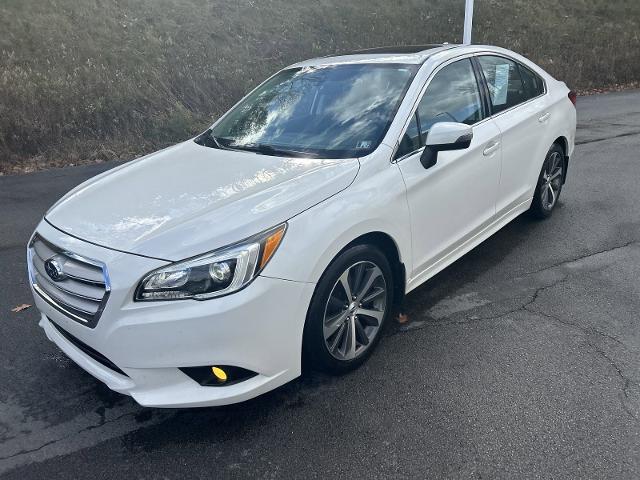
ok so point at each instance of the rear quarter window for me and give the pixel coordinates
(510, 83)
(533, 84)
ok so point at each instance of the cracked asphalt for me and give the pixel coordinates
(518, 361)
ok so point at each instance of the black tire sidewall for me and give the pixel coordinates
(314, 350)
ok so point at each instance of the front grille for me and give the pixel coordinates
(79, 289)
(87, 350)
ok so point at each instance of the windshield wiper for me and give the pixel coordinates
(207, 139)
(270, 150)
(215, 140)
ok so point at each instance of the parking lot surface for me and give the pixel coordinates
(519, 360)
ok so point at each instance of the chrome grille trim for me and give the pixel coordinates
(86, 280)
(66, 290)
(81, 298)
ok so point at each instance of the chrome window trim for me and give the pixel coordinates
(407, 155)
(58, 304)
(544, 82)
(430, 78)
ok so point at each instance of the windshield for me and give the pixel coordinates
(336, 111)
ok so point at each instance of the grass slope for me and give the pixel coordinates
(91, 80)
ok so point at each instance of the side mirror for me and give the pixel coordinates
(445, 136)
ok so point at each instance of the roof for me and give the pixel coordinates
(413, 54)
(400, 49)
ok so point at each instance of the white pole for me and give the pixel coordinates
(468, 21)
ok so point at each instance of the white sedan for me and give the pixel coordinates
(212, 271)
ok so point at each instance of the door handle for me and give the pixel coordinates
(544, 117)
(490, 148)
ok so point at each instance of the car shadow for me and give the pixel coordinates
(488, 255)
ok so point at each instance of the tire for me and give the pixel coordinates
(332, 324)
(549, 186)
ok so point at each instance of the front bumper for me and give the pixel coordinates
(258, 328)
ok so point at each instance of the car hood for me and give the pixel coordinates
(189, 199)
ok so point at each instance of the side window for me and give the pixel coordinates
(410, 140)
(533, 85)
(452, 96)
(505, 84)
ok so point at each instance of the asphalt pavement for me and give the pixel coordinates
(521, 360)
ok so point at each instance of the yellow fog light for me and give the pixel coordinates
(219, 373)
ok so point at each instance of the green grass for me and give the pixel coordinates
(92, 80)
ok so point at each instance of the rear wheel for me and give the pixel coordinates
(349, 308)
(549, 184)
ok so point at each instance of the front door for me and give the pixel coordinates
(455, 198)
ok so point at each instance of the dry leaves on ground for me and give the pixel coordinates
(20, 308)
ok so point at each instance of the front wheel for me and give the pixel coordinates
(351, 304)
(549, 184)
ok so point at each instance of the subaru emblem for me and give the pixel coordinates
(54, 270)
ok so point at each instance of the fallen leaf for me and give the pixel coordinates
(19, 308)
(402, 318)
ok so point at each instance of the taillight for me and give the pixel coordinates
(573, 96)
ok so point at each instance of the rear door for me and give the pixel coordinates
(453, 199)
(521, 111)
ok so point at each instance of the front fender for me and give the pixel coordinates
(375, 202)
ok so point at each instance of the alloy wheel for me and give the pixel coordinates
(551, 181)
(355, 310)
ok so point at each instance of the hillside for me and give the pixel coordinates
(94, 80)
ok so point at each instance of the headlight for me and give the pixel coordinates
(213, 274)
